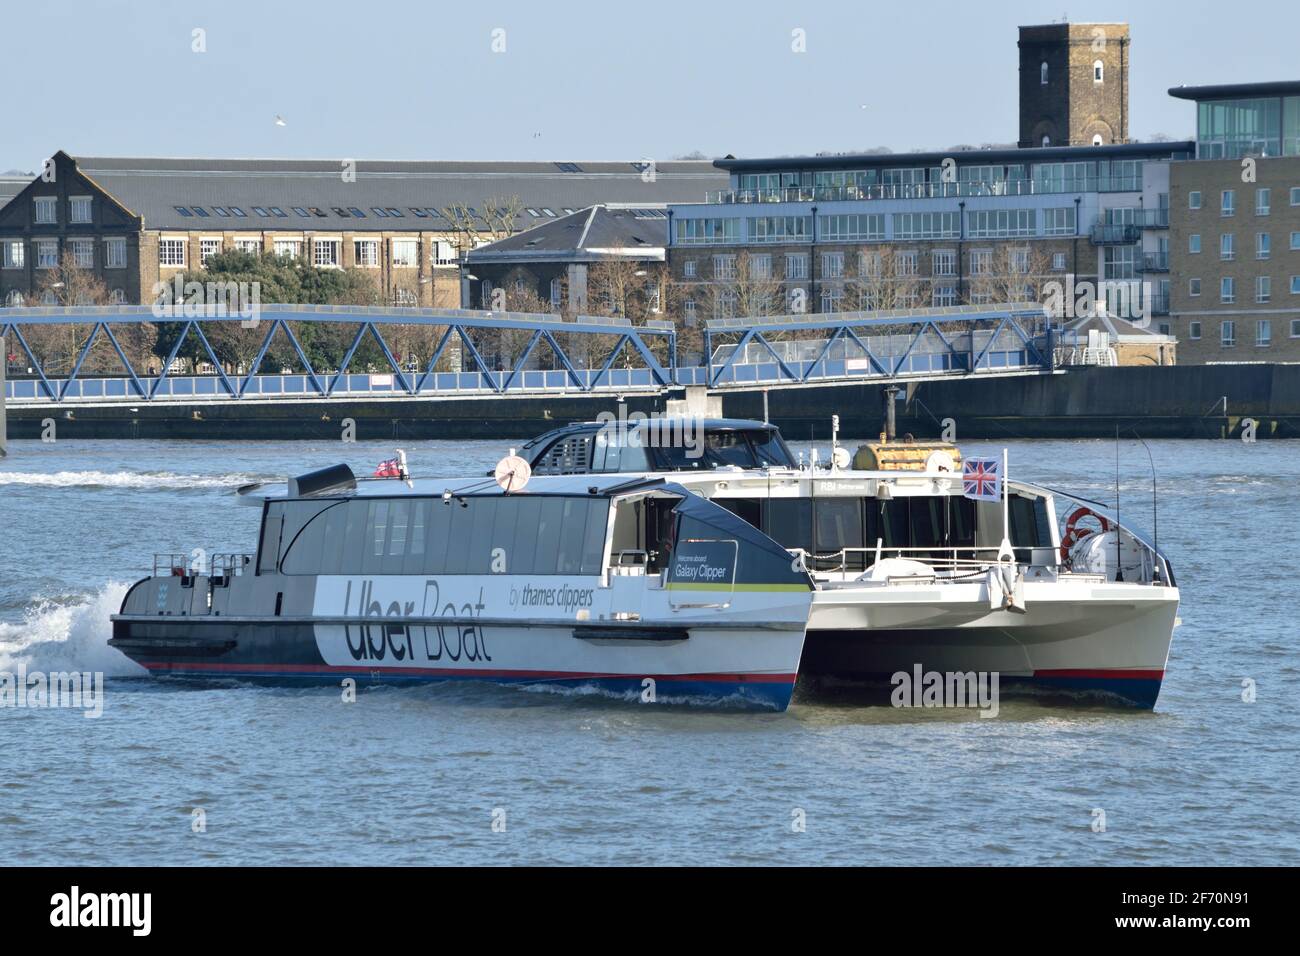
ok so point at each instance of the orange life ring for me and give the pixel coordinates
(1073, 535)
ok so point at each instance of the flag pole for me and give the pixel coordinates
(1004, 549)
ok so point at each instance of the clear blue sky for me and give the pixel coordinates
(395, 79)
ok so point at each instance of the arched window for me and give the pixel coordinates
(1042, 73)
(1096, 139)
(1047, 140)
(1098, 71)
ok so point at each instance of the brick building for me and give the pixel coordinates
(134, 222)
(1074, 84)
(1235, 226)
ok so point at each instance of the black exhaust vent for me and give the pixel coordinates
(331, 480)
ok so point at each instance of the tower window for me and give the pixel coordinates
(1042, 73)
(1098, 71)
(1096, 139)
(1047, 141)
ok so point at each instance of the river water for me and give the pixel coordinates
(172, 774)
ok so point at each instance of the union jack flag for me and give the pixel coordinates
(392, 468)
(981, 479)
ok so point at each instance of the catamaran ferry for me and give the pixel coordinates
(911, 567)
(540, 582)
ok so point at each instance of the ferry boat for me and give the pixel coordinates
(544, 583)
(1045, 589)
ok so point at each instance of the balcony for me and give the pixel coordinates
(1154, 218)
(1113, 235)
(931, 190)
(1154, 262)
(1159, 303)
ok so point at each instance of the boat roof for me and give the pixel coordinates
(566, 485)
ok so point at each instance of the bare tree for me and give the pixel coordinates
(880, 278)
(1010, 273)
(494, 218)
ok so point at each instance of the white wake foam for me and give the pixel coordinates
(68, 637)
(123, 479)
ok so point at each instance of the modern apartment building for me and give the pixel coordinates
(840, 233)
(134, 222)
(1235, 236)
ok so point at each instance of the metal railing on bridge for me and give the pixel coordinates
(457, 330)
(939, 341)
(778, 350)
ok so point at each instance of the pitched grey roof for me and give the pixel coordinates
(594, 233)
(11, 185)
(153, 188)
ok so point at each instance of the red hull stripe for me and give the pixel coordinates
(1109, 675)
(457, 672)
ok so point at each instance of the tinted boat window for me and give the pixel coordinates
(769, 449)
(535, 534)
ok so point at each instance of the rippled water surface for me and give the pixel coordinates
(415, 775)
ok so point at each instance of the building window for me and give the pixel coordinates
(291, 248)
(207, 249)
(1227, 290)
(1295, 285)
(366, 252)
(1227, 251)
(981, 262)
(1228, 334)
(325, 253)
(83, 252)
(117, 297)
(688, 307)
(406, 253)
(690, 269)
(1295, 195)
(944, 296)
(47, 253)
(557, 294)
(1096, 139)
(1295, 241)
(47, 209)
(1263, 333)
(1263, 245)
(79, 209)
(1099, 71)
(760, 267)
(1042, 73)
(1228, 203)
(796, 265)
(907, 263)
(171, 252)
(115, 253)
(1262, 195)
(1194, 331)
(724, 267)
(14, 299)
(1295, 328)
(446, 253)
(12, 252)
(1194, 243)
(943, 263)
(1047, 141)
(995, 223)
(1059, 221)
(403, 297)
(1263, 288)
(832, 300)
(832, 268)
(1193, 287)
(1194, 199)
(1058, 261)
(249, 245)
(921, 225)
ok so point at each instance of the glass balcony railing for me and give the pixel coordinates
(940, 190)
(1111, 235)
(1154, 262)
(1153, 218)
